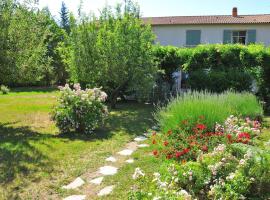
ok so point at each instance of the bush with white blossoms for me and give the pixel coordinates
(220, 174)
(80, 110)
(236, 126)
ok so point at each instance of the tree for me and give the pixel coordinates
(64, 15)
(114, 52)
(24, 46)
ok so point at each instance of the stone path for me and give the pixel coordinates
(92, 187)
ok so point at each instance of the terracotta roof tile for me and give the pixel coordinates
(214, 19)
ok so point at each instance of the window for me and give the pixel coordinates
(239, 37)
(193, 38)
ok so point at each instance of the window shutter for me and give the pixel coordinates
(227, 37)
(251, 36)
(193, 37)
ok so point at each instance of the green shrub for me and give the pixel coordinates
(214, 107)
(4, 89)
(79, 110)
(219, 67)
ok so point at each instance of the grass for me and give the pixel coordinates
(214, 107)
(35, 160)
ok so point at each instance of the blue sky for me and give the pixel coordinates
(170, 7)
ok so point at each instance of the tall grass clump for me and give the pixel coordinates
(209, 106)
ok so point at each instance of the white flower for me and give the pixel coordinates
(231, 176)
(242, 162)
(138, 173)
(252, 179)
(156, 198)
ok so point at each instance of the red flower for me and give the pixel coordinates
(204, 148)
(169, 156)
(178, 154)
(229, 137)
(155, 152)
(186, 150)
(201, 127)
(244, 135)
(154, 141)
(165, 143)
(169, 132)
(154, 133)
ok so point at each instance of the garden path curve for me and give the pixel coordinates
(89, 184)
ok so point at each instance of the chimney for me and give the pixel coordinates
(234, 12)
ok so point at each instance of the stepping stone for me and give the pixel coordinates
(140, 139)
(129, 161)
(143, 145)
(108, 170)
(105, 191)
(147, 134)
(97, 181)
(126, 152)
(75, 197)
(75, 184)
(111, 159)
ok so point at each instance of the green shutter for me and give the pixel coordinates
(193, 37)
(227, 37)
(251, 36)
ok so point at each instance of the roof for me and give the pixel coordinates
(212, 19)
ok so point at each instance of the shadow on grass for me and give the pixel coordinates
(34, 89)
(17, 155)
(127, 118)
(20, 158)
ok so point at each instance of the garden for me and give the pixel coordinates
(84, 114)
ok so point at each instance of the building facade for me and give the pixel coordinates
(189, 31)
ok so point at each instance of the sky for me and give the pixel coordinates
(154, 8)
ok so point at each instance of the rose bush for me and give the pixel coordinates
(80, 110)
(189, 139)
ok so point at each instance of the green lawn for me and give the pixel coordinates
(35, 160)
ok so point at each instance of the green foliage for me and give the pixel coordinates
(79, 110)
(64, 15)
(114, 52)
(4, 89)
(219, 67)
(215, 175)
(214, 107)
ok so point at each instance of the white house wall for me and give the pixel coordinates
(210, 34)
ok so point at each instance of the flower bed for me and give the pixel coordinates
(203, 160)
(188, 139)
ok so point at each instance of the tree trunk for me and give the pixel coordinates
(115, 94)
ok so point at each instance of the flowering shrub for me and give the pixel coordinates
(188, 140)
(80, 110)
(216, 175)
(4, 89)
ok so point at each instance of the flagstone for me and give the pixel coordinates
(75, 197)
(126, 152)
(111, 159)
(75, 184)
(108, 170)
(143, 145)
(106, 191)
(140, 138)
(129, 161)
(97, 181)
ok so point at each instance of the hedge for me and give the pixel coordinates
(218, 67)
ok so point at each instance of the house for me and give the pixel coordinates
(190, 31)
